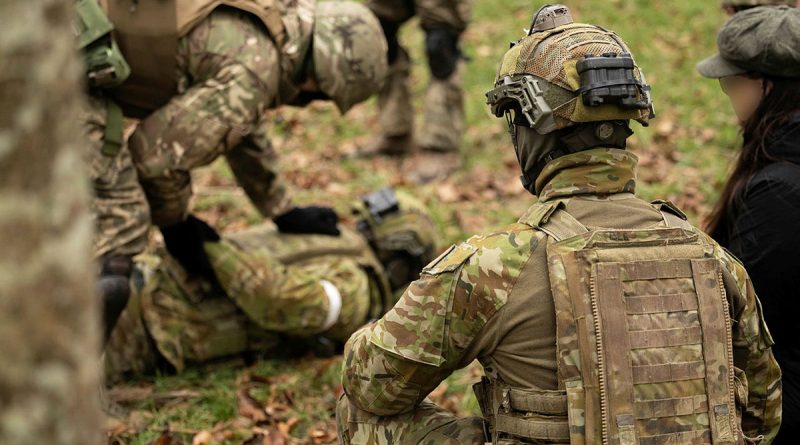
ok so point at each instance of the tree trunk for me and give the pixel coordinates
(49, 319)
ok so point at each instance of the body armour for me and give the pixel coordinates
(644, 345)
(147, 32)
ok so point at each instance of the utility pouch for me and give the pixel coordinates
(105, 65)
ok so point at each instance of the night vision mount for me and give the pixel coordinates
(609, 79)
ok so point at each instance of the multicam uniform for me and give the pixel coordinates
(443, 103)
(122, 217)
(490, 299)
(201, 74)
(203, 87)
(294, 285)
(276, 286)
(598, 317)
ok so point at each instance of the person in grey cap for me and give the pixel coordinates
(758, 214)
(734, 6)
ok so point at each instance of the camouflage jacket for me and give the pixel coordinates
(277, 287)
(489, 299)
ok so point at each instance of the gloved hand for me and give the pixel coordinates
(184, 242)
(312, 219)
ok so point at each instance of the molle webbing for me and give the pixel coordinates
(643, 335)
(537, 415)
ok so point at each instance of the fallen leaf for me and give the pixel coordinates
(202, 438)
(448, 193)
(250, 407)
(286, 427)
(322, 436)
(166, 438)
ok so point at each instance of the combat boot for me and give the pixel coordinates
(443, 125)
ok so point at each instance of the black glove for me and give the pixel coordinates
(184, 242)
(320, 220)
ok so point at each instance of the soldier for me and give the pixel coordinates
(443, 23)
(734, 6)
(598, 317)
(201, 74)
(301, 286)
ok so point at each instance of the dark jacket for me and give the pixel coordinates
(765, 236)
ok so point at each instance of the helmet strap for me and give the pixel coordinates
(527, 181)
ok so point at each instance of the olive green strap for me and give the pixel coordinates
(547, 430)
(113, 137)
(549, 403)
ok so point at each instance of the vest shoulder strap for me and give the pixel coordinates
(551, 218)
(672, 215)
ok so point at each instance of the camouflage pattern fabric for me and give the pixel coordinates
(273, 281)
(551, 57)
(229, 76)
(444, 113)
(298, 21)
(119, 206)
(394, 99)
(644, 336)
(130, 349)
(488, 298)
(349, 52)
(453, 14)
(290, 298)
(443, 102)
(428, 424)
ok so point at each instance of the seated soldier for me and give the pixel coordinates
(279, 286)
(598, 318)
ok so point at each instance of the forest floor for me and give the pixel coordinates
(683, 155)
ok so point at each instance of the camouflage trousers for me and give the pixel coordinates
(119, 207)
(229, 76)
(443, 103)
(454, 14)
(296, 299)
(428, 424)
(273, 297)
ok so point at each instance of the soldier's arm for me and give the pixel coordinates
(752, 350)
(393, 364)
(254, 163)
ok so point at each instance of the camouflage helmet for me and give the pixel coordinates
(401, 232)
(349, 52)
(563, 73)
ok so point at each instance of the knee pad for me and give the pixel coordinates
(441, 45)
(390, 30)
(113, 286)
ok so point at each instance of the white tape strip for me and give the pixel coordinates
(335, 307)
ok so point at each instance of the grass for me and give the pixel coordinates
(685, 154)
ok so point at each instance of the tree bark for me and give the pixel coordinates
(49, 316)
